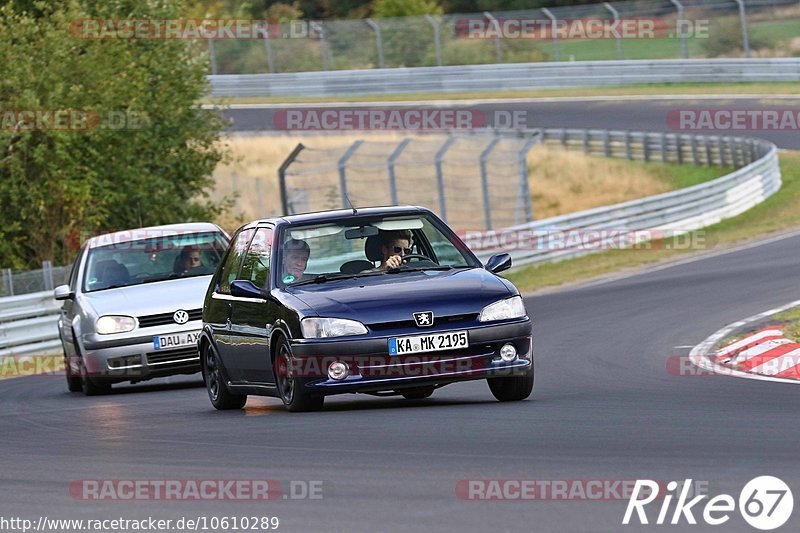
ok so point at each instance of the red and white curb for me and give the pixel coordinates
(764, 355)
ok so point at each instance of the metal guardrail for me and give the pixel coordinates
(518, 76)
(28, 322)
(46, 278)
(677, 30)
(676, 212)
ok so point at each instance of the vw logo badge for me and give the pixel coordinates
(180, 317)
(424, 319)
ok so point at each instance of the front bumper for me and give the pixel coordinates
(372, 369)
(133, 357)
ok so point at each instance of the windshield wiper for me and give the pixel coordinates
(322, 278)
(419, 268)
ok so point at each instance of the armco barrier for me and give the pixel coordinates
(28, 322)
(503, 77)
(686, 209)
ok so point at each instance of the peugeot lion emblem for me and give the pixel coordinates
(424, 319)
(180, 317)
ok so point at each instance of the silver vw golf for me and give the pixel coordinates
(133, 305)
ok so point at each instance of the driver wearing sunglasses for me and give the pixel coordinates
(394, 246)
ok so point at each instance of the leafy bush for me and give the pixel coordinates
(61, 183)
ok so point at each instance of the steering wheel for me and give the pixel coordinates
(417, 256)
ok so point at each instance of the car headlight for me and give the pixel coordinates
(108, 324)
(318, 328)
(503, 310)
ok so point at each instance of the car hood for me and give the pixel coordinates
(150, 298)
(394, 297)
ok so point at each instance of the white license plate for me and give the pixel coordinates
(428, 343)
(176, 340)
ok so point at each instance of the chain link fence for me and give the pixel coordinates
(470, 180)
(477, 181)
(682, 29)
(43, 279)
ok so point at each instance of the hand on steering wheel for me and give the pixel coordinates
(396, 261)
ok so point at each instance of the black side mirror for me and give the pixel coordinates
(498, 263)
(244, 288)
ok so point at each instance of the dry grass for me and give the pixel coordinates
(253, 172)
(566, 182)
(561, 181)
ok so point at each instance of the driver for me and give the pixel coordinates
(394, 246)
(295, 260)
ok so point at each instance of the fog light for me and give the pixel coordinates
(338, 370)
(508, 353)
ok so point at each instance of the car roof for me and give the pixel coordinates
(124, 236)
(339, 214)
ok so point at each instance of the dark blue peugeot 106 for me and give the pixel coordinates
(383, 301)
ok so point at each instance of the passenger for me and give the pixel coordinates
(295, 260)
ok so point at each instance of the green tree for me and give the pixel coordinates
(147, 159)
(405, 8)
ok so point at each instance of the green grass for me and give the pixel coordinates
(603, 49)
(660, 48)
(779, 212)
(781, 29)
(764, 89)
(681, 176)
(792, 320)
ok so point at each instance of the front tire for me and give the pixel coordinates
(221, 397)
(90, 386)
(73, 382)
(512, 389)
(290, 388)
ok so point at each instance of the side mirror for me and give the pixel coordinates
(244, 288)
(498, 263)
(62, 292)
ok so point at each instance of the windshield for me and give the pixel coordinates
(349, 248)
(153, 259)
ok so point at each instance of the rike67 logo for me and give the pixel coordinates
(765, 502)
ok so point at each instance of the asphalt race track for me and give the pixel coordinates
(604, 408)
(621, 113)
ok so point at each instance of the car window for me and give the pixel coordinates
(73, 274)
(353, 247)
(255, 267)
(231, 267)
(161, 256)
(443, 248)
